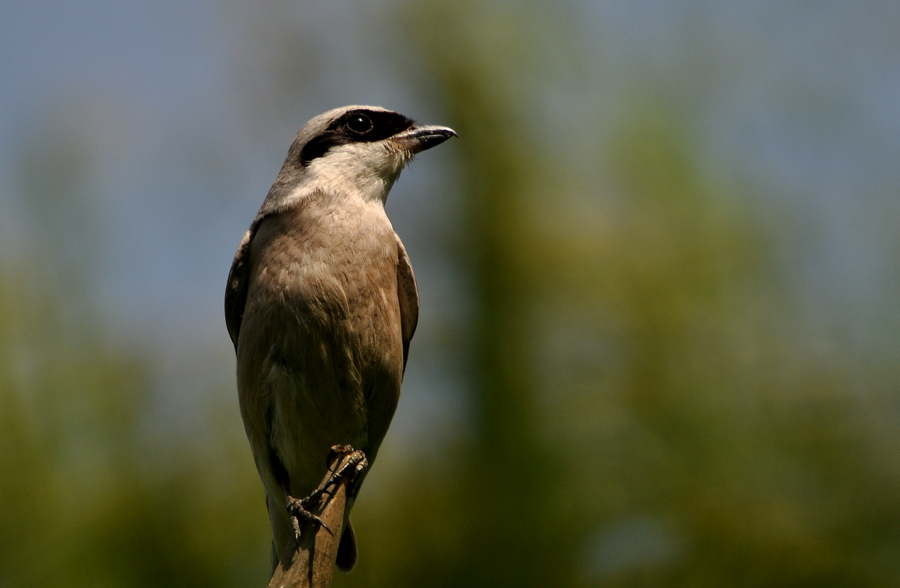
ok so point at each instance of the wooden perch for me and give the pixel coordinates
(311, 563)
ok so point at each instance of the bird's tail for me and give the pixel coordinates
(347, 553)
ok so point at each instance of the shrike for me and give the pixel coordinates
(321, 304)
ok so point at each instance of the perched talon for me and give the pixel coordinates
(339, 450)
(354, 459)
(298, 510)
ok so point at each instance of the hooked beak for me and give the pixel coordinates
(418, 138)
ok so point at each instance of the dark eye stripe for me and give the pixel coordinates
(384, 125)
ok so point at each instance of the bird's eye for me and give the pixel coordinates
(360, 124)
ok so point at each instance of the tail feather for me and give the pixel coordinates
(347, 553)
(282, 529)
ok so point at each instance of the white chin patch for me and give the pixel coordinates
(366, 169)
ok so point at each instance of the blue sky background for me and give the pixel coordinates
(182, 113)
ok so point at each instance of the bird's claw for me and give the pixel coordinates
(298, 509)
(353, 459)
(353, 463)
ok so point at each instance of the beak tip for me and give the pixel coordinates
(420, 138)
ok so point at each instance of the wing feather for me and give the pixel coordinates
(236, 290)
(408, 293)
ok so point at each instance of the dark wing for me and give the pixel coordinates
(408, 294)
(236, 290)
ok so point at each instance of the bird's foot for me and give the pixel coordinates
(352, 464)
(298, 508)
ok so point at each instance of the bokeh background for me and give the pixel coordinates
(660, 330)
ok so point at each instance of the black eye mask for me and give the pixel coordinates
(356, 126)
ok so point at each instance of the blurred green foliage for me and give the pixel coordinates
(646, 408)
(86, 501)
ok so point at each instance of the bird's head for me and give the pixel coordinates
(355, 148)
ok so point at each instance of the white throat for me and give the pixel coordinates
(367, 170)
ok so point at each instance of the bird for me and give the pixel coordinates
(321, 305)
